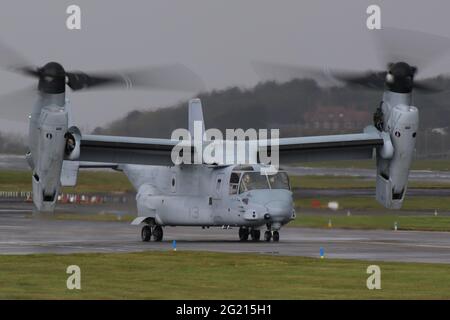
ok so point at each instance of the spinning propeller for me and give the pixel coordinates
(53, 78)
(402, 51)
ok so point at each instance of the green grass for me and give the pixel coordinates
(344, 182)
(88, 181)
(108, 181)
(361, 202)
(203, 275)
(423, 223)
(440, 165)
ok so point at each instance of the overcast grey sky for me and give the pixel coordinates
(215, 38)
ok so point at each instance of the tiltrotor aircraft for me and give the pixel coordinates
(211, 194)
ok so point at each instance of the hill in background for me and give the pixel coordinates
(298, 107)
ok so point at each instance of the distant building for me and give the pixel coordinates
(327, 120)
(335, 118)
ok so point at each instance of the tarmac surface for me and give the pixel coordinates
(21, 233)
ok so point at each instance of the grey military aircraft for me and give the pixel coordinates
(227, 194)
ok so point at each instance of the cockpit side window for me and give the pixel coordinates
(279, 180)
(234, 177)
(234, 183)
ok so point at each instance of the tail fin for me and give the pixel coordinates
(195, 115)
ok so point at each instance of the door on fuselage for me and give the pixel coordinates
(216, 200)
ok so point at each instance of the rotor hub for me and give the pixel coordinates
(400, 77)
(52, 78)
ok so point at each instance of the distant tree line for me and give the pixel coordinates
(274, 105)
(286, 105)
(12, 144)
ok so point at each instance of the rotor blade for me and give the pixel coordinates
(11, 60)
(323, 76)
(284, 73)
(414, 47)
(433, 85)
(168, 77)
(370, 79)
(17, 105)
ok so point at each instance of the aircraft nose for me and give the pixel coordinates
(279, 210)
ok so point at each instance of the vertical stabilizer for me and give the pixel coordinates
(195, 115)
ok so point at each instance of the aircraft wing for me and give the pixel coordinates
(330, 147)
(148, 151)
(132, 150)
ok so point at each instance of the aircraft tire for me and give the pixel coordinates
(146, 233)
(276, 236)
(255, 234)
(267, 236)
(243, 234)
(158, 233)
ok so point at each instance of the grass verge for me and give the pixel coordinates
(204, 275)
(344, 182)
(387, 222)
(439, 165)
(88, 181)
(362, 202)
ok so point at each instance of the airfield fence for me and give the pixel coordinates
(69, 198)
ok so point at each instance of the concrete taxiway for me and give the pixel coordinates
(20, 233)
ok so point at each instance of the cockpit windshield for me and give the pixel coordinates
(247, 181)
(253, 180)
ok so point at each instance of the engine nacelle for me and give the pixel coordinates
(48, 156)
(401, 123)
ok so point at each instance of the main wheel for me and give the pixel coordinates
(276, 236)
(243, 234)
(146, 233)
(267, 235)
(158, 233)
(256, 234)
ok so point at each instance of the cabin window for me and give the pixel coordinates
(173, 183)
(218, 185)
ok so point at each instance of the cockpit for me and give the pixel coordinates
(244, 179)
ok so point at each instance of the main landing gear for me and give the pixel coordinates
(268, 235)
(244, 233)
(149, 231)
